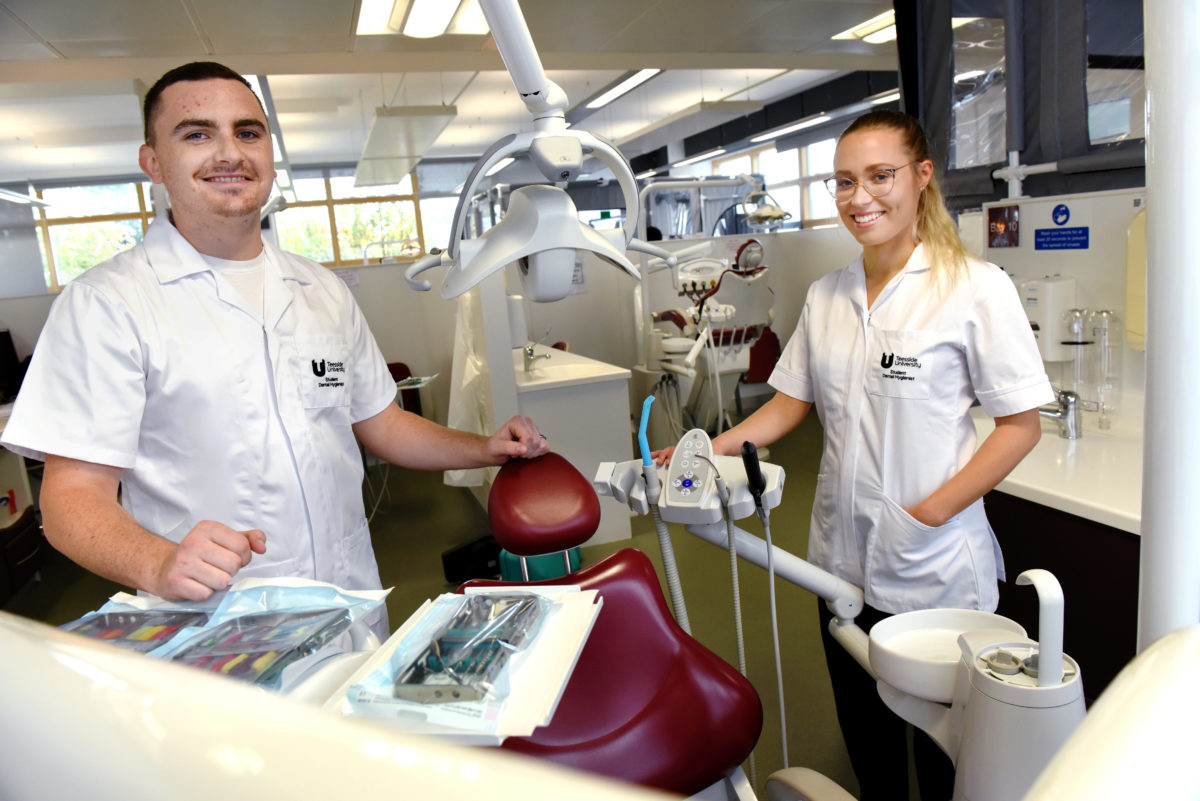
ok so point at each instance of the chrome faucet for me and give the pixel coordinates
(531, 357)
(1067, 412)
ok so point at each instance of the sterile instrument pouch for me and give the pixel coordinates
(166, 627)
(141, 631)
(466, 657)
(264, 648)
(451, 666)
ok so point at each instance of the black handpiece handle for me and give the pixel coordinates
(754, 476)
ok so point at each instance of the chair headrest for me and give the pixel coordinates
(542, 505)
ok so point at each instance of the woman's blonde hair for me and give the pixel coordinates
(934, 227)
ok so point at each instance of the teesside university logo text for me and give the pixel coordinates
(318, 368)
(886, 362)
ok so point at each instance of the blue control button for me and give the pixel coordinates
(687, 482)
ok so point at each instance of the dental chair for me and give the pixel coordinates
(646, 703)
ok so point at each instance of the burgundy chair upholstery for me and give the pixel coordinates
(646, 703)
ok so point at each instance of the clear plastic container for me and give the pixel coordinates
(1106, 331)
(1080, 377)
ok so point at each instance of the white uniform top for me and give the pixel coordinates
(153, 363)
(892, 386)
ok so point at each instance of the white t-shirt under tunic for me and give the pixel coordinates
(893, 385)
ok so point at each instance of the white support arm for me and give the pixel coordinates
(541, 96)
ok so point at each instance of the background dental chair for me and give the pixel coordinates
(646, 702)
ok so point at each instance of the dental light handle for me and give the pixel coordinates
(419, 266)
(1050, 625)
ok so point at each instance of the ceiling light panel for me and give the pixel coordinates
(398, 138)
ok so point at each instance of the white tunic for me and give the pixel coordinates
(892, 386)
(215, 409)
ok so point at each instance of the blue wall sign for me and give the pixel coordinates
(1075, 238)
(1061, 214)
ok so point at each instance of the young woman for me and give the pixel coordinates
(894, 350)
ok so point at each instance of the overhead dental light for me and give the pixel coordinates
(541, 230)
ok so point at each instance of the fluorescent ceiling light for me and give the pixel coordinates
(800, 126)
(429, 18)
(958, 22)
(24, 200)
(710, 154)
(630, 83)
(373, 17)
(470, 20)
(874, 31)
(499, 165)
(888, 98)
(646, 174)
(968, 75)
(422, 19)
(398, 138)
(887, 34)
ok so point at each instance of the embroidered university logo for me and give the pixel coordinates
(886, 362)
(318, 368)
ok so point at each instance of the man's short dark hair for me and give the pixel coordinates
(195, 71)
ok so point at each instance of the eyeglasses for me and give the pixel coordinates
(878, 183)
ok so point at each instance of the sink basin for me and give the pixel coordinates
(562, 369)
(918, 653)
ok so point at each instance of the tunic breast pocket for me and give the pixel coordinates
(324, 370)
(902, 364)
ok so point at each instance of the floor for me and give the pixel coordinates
(418, 518)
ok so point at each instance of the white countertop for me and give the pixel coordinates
(562, 369)
(1097, 477)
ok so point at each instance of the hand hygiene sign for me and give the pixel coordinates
(1062, 237)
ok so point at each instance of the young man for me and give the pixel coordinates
(219, 382)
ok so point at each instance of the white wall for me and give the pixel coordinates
(1098, 270)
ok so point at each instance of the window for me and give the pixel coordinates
(792, 177)
(1116, 78)
(339, 224)
(332, 222)
(977, 115)
(85, 225)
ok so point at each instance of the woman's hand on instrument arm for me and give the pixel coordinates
(83, 519)
(767, 424)
(1014, 437)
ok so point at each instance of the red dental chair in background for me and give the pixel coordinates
(646, 702)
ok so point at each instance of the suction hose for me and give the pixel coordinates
(757, 483)
(650, 473)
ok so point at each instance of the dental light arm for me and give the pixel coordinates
(541, 96)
